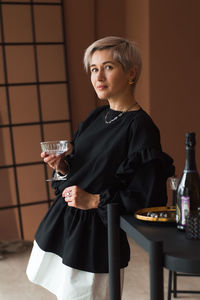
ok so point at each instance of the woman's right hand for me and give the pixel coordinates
(56, 161)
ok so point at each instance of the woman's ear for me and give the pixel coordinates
(132, 73)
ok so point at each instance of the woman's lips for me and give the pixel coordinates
(101, 87)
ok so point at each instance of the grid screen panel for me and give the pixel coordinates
(34, 106)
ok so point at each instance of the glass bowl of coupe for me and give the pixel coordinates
(56, 148)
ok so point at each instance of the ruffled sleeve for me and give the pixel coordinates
(140, 179)
(140, 183)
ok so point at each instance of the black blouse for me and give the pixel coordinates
(124, 163)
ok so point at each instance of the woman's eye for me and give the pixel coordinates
(108, 67)
(94, 70)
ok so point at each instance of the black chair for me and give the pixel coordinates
(172, 284)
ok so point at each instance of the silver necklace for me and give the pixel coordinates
(118, 116)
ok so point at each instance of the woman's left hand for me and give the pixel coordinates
(76, 197)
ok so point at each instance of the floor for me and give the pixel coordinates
(14, 284)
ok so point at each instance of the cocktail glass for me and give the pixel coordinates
(57, 148)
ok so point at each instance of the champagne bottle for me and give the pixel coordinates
(188, 191)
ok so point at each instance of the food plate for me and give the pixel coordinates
(157, 214)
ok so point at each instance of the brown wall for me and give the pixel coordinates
(137, 29)
(80, 31)
(174, 73)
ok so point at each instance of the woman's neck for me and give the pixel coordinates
(122, 105)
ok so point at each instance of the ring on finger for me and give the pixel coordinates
(68, 194)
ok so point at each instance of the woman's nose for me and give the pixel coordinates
(100, 75)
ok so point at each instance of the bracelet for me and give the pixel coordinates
(61, 176)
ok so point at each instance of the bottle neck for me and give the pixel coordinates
(190, 163)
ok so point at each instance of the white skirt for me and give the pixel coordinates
(47, 270)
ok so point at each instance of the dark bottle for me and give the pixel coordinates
(188, 191)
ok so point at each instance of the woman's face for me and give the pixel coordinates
(108, 78)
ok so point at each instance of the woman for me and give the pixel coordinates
(116, 157)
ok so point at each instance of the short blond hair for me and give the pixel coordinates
(123, 51)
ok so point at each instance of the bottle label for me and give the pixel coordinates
(185, 208)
